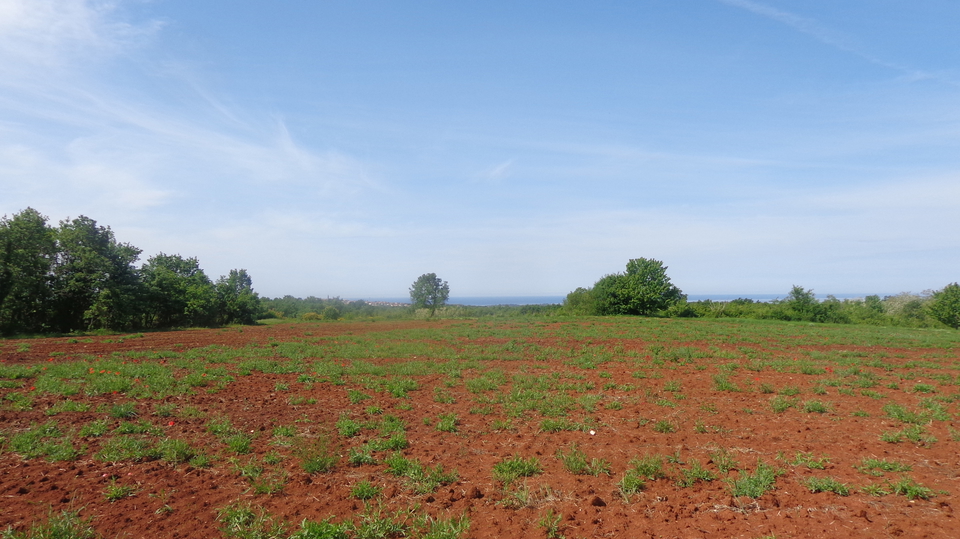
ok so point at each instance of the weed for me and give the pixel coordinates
(241, 521)
(756, 484)
(877, 467)
(322, 530)
(95, 428)
(723, 460)
(347, 427)
(446, 528)
(827, 484)
(115, 492)
(63, 525)
(632, 483)
(240, 443)
(317, 455)
(575, 461)
(649, 467)
(125, 410)
(816, 406)
(911, 489)
(790, 391)
(664, 427)
(808, 460)
(781, 404)
(695, 473)
(360, 456)
(550, 522)
(508, 471)
(447, 423)
(365, 490)
(175, 451)
(46, 440)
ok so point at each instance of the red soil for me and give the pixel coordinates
(182, 501)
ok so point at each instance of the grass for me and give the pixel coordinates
(63, 525)
(115, 492)
(47, 441)
(756, 484)
(509, 470)
(827, 484)
(877, 467)
(575, 461)
(695, 474)
(365, 490)
(447, 423)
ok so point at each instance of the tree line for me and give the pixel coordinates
(645, 289)
(77, 277)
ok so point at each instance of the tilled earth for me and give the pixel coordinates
(673, 410)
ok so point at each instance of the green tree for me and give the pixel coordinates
(238, 303)
(580, 302)
(27, 252)
(643, 289)
(178, 293)
(429, 292)
(95, 284)
(945, 305)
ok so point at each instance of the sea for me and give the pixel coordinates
(486, 301)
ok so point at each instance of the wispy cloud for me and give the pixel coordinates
(831, 37)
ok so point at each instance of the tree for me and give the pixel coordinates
(27, 251)
(945, 305)
(642, 290)
(238, 302)
(178, 293)
(94, 282)
(429, 292)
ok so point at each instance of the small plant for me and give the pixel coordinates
(756, 484)
(575, 461)
(347, 427)
(95, 428)
(790, 391)
(365, 490)
(240, 444)
(447, 423)
(357, 397)
(115, 492)
(664, 426)
(632, 483)
(827, 484)
(781, 404)
(360, 456)
(723, 460)
(808, 460)
(64, 525)
(911, 489)
(446, 528)
(317, 455)
(816, 406)
(508, 471)
(175, 451)
(877, 467)
(126, 410)
(695, 473)
(241, 521)
(550, 522)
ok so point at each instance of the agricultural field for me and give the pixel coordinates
(577, 427)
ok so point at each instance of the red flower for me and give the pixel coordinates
(170, 423)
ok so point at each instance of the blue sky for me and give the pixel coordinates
(343, 148)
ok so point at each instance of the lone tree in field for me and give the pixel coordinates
(643, 289)
(429, 292)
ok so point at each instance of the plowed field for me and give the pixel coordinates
(577, 428)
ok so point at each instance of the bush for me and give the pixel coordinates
(643, 289)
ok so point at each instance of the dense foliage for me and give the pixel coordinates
(643, 289)
(77, 276)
